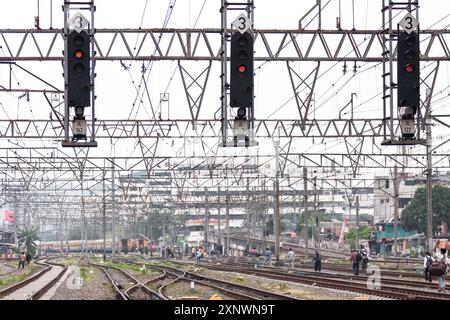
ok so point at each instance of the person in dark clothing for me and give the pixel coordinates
(427, 261)
(169, 253)
(356, 259)
(28, 258)
(365, 260)
(317, 261)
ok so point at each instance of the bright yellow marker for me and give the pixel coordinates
(215, 297)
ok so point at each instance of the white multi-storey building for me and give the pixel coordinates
(384, 191)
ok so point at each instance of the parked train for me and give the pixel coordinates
(96, 245)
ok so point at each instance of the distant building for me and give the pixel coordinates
(382, 240)
(384, 190)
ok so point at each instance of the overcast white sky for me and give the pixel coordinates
(116, 92)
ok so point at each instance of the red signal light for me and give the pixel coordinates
(78, 54)
(242, 68)
(409, 68)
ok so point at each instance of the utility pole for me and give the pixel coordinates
(219, 240)
(104, 217)
(316, 214)
(27, 214)
(227, 223)
(164, 233)
(305, 206)
(15, 223)
(396, 205)
(277, 220)
(206, 217)
(113, 208)
(265, 212)
(60, 227)
(83, 215)
(277, 203)
(247, 211)
(66, 230)
(429, 187)
(357, 224)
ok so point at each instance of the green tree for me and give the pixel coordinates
(27, 237)
(414, 216)
(363, 234)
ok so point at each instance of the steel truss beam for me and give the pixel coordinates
(140, 129)
(181, 128)
(201, 164)
(205, 44)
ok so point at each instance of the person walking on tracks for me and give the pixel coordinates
(22, 259)
(365, 260)
(427, 261)
(28, 258)
(317, 261)
(439, 266)
(356, 259)
(268, 255)
(198, 255)
(291, 257)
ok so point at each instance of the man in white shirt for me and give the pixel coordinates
(291, 257)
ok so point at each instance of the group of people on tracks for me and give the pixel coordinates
(290, 259)
(359, 257)
(436, 265)
(24, 258)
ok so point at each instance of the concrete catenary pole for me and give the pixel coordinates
(104, 218)
(396, 205)
(247, 213)
(219, 240)
(305, 207)
(227, 223)
(277, 203)
(316, 214)
(206, 217)
(429, 188)
(357, 224)
(113, 208)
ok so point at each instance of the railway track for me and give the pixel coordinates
(353, 285)
(346, 268)
(161, 280)
(125, 285)
(394, 289)
(229, 289)
(384, 280)
(400, 263)
(7, 273)
(387, 277)
(35, 286)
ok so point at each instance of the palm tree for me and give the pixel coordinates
(26, 238)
